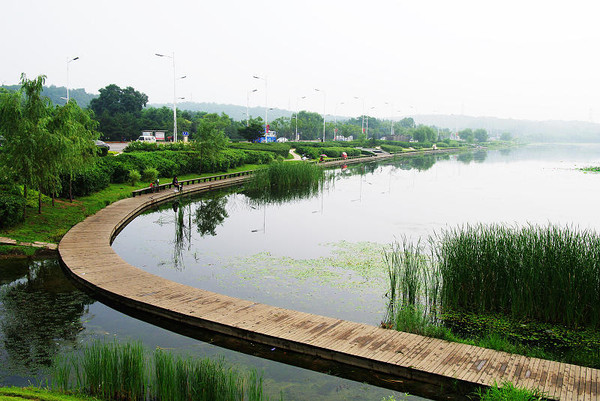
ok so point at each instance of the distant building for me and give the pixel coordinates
(343, 138)
(270, 136)
(159, 134)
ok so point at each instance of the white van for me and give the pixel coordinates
(147, 138)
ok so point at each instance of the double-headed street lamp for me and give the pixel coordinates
(69, 62)
(247, 105)
(174, 94)
(324, 99)
(266, 105)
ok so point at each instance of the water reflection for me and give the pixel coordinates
(39, 313)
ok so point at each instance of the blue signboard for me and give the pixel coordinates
(185, 133)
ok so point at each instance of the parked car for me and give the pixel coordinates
(147, 138)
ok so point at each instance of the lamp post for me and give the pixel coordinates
(335, 119)
(174, 94)
(362, 127)
(298, 111)
(368, 123)
(391, 118)
(247, 103)
(324, 100)
(69, 62)
(266, 106)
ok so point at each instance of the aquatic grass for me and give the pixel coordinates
(551, 274)
(413, 281)
(284, 181)
(508, 392)
(123, 372)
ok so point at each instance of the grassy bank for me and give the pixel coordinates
(54, 222)
(38, 394)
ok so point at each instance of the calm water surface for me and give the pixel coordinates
(323, 254)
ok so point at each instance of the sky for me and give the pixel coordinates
(522, 59)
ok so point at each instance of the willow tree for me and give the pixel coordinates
(75, 129)
(23, 117)
(41, 142)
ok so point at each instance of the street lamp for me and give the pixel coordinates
(247, 103)
(266, 107)
(298, 111)
(362, 127)
(368, 123)
(174, 94)
(324, 98)
(69, 62)
(335, 118)
(391, 118)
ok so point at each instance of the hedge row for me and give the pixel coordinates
(136, 146)
(281, 149)
(314, 152)
(168, 163)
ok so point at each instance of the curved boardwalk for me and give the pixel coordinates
(87, 255)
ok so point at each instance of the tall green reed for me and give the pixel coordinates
(284, 181)
(550, 273)
(120, 372)
(414, 286)
(546, 273)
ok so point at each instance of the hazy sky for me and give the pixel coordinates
(511, 58)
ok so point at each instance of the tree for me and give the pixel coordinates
(28, 148)
(407, 122)
(424, 133)
(506, 136)
(119, 112)
(211, 129)
(254, 129)
(480, 135)
(78, 148)
(467, 135)
(41, 142)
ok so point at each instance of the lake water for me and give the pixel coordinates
(323, 254)
(320, 255)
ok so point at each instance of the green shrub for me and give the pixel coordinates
(149, 174)
(11, 209)
(282, 149)
(92, 179)
(134, 177)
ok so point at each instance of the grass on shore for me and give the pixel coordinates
(54, 222)
(38, 394)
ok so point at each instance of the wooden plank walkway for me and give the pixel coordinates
(87, 255)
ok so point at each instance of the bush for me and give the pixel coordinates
(149, 174)
(134, 177)
(11, 209)
(92, 179)
(282, 149)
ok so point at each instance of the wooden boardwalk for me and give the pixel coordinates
(87, 255)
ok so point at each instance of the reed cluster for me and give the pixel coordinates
(286, 176)
(550, 274)
(123, 372)
(413, 283)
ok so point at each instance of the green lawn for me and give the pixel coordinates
(54, 222)
(38, 394)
